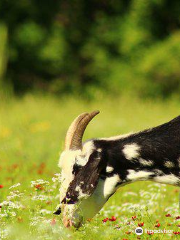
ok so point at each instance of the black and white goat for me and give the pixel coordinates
(92, 172)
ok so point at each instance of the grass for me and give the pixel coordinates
(32, 132)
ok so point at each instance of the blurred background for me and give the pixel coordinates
(90, 47)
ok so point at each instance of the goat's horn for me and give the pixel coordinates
(76, 130)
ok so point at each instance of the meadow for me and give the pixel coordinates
(32, 131)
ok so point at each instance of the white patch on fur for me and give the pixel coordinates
(87, 150)
(67, 159)
(158, 171)
(109, 169)
(88, 147)
(167, 179)
(81, 160)
(169, 164)
(114, 138)
(99, 150)
(81, 195)
(131, 151)
(66, 162)
(110, 185)
(138, 176)
(145, 162)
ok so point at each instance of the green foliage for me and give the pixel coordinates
(76, 46)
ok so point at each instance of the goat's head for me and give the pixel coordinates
(83, 191)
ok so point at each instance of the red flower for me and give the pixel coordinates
(53, 222)
(141, 224)
(39, 187)
(105, 220)
(158, 225)
(1, 186)
(168, 215)
(178, 217)
(176, 233)
(149, 233)
(134, 218)
(112, 219)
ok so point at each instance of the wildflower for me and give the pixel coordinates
(15, 185)
(176, 233)
(41, 168)
(168, 215)
(178, 217)
(45, 211)
(150, 233)
(1, 186)
(14, 166)
(141, 224)
(112, 219)
(105, 220)
(39, 186)
(176, 190)
(39, 182)
(53, 222)
(158, 225)
(134, 218)
(20, 219)
(128, 232)
(41, 198)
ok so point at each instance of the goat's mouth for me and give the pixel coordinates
(69, 223)
(75, 221)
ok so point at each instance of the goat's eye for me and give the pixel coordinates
(76, 169)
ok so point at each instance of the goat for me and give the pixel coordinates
(93, 171)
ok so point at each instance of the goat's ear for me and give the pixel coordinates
(86, 180)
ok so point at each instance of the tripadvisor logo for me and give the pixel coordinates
(139, 231)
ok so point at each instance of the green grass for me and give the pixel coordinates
(32, 132)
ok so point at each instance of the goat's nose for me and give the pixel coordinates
(67, 222)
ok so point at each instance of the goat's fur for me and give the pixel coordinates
(152, 154)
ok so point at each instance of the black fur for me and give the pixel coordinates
(159, 144)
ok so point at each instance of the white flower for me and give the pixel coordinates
(15, 185)
(45, 211)
(39, 181)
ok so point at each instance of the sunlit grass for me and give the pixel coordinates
(32, 132)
